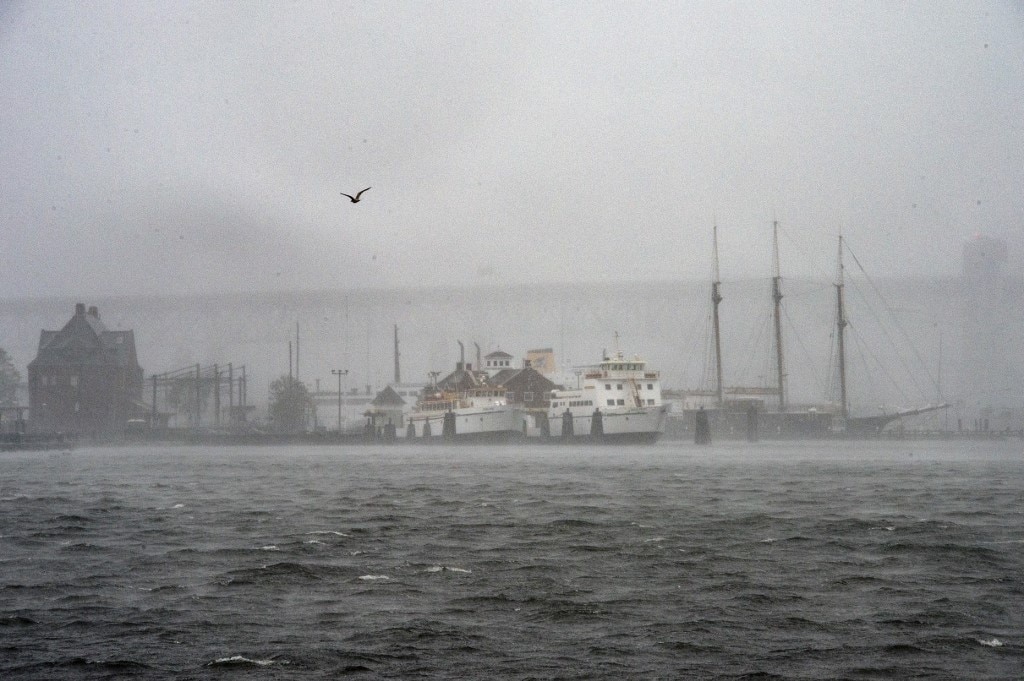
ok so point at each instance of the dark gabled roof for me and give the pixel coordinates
(528, 376)
(44, 339)
(86, 340)
(504, 375)
(387, 397)
(460, 379)
(498, 353)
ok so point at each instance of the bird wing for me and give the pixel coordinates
(365, 190)
(349, 196)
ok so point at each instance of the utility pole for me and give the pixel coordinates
(398, 369)
(199, 394)
(339, 373)
(231, 393)
(216, 394)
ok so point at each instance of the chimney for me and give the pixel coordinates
(94, 312)
(79, 308)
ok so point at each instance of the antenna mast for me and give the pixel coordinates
(777, 298)
(716, 298)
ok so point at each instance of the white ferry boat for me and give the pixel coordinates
(479, 413)
(617, 400)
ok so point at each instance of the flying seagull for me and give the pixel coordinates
(355, 199)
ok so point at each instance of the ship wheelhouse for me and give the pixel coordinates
(614, 384)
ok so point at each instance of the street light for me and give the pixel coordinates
(339, 373)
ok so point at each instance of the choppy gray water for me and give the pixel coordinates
(809, 560)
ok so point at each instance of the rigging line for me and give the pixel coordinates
(833, 371)
(899, 357)
(750, 281)
(693, 342)
(800, 342)
(885, 330)
(766, 357)
(741, 371)
(861, 345)
(812, 290)
(706, 353)
(791, 240)
(895, 320)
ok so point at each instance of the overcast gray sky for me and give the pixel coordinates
(201, 146)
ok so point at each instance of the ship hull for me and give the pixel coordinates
(638, 426)
(737, 425)
(492, 424)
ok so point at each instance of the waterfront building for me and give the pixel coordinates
(526, 387)
(85, 379)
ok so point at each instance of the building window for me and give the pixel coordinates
(607, 386)
(527, 397)
(511, 396)
(622, 402)
(651, 402)
(618, 386)
(74, 381)
(650, 386)
(611, 403)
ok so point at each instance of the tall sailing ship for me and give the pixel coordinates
(754, 412)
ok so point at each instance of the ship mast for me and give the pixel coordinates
(777, 298)
(716, 298)
(841, 330)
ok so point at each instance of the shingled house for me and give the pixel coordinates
(526, 387)
(85, 379)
